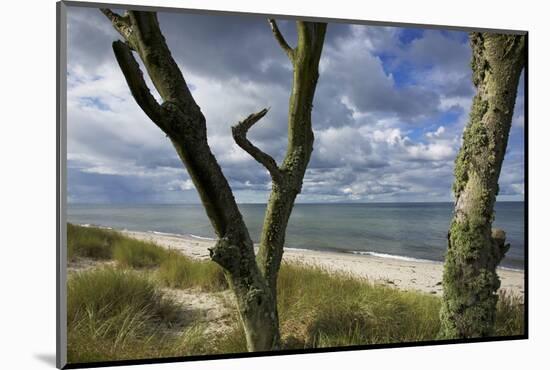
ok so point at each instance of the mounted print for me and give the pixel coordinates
(235, 184)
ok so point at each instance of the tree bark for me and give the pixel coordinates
(287, 179)
(181, 119)
(470, 280)
(305, 61)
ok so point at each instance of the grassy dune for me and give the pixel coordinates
(123, 312)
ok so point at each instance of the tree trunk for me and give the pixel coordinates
(305, 60)
(470, 280)
(181, 119)
(287, 179)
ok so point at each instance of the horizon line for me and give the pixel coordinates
(265, 203)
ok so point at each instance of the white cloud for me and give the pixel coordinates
(390, 136)
(181, 185)
(376, 137)
(437, 133)
(431, 152)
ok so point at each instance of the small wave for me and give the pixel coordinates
(300, 249)
(200, 237)
(96, 226)
(180, 235)
(392, 256)
(166, 234)
(511, 269)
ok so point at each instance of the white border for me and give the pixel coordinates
(28, 186)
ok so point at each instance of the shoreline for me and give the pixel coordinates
(404, 274)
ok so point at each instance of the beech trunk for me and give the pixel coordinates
(470, 279)
(252, 279)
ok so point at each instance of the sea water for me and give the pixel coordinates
(408, 231)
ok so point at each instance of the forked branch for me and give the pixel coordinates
(134, 78)
(239, 134)
(280, 39)
(113, 17)
(121, 23)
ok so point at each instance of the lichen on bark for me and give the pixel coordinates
(470, 279)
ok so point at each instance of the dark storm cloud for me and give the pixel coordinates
(111, 188)
(211, 45)
(228, 46)
(89, 36)
(445, 50)
(214, 46)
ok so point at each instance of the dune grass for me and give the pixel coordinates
(138, 254)
(318, 308)
(121, 313)
(111, 312)
(109, 291)
(118, 314)
(179, 271)
(90, 242)
(322, 309)
(103, 244)
(510, 314)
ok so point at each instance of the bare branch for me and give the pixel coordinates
(120, 23)
(280, 39)
(136, 83)
(110, 14)
(239, 134)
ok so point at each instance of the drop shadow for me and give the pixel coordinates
(47, 358)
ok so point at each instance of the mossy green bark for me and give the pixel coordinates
(180, 118)
(470, 280)
(305, 61)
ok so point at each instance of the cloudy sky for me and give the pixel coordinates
(389, 111)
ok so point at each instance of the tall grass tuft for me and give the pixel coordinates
(110, 291)
(179, 271)
(233, 341)
(318, 308)
(322, 309)
(510, 315)
(138, 254)
(90, 242)
(115, 314)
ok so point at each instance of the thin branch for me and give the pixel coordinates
(280, 39)
(239, 134)
(113, 17)
(121, 23)
(136, 83)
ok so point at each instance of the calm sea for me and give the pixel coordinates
(394, 230)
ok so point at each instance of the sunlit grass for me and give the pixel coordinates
(90, 242)
(179, 271)
(122, 313)
(138, 254)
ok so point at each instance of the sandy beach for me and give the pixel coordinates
(423, 276)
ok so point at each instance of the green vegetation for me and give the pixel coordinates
(138, 254)
(103, 244)
(120, 313)
(179, 271)
(509, 317)
(90, 242)
(322, 309)
(113, 314)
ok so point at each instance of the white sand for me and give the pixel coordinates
(418, 275)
